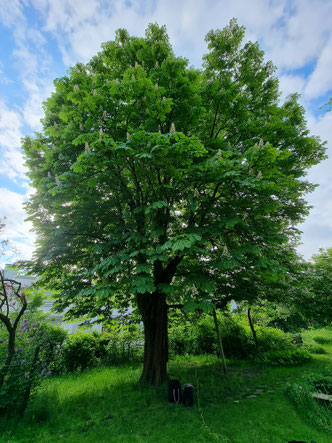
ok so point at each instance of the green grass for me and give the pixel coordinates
(110, 405)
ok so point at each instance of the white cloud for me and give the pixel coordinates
(317, 229)
(10, 13)
(31, 60)
(320, 80)
(16, 230)
(290, 84)
(10, 141)
(301, 33)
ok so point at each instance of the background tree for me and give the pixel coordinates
(316, 298)
(154, 181)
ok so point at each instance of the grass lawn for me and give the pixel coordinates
(109, 405)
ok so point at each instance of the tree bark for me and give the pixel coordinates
(221, 348)
(10, 354)
(251, 323)
(153, 309)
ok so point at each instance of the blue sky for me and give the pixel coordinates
(41, 39)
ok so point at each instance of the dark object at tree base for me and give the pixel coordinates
(174, 391)
(188, 395)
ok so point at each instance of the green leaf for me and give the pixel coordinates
(206, 306)
(190, 306)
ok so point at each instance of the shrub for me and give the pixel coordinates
(84, 350)
(235, 333)
(51, 340)
(287, 357)
(236, 338)
(271, 339)
(312, 411)
(80, 351)
(314, 349)
(322, 340)
(125, 343)
(320, 383)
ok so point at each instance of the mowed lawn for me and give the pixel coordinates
(110, 405)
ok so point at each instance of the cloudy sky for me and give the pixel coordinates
(40, 39)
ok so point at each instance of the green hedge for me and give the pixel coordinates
(275, 347)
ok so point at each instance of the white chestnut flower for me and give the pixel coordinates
(172, 130)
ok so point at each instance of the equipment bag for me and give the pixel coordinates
(188, 395)
(174, 391)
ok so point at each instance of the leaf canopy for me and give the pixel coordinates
(151, 175)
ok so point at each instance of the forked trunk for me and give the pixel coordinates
(153, 309)
(10, 354)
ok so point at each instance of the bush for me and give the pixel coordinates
(271, 339)
(236, 338)
(322, 340)
(35, 350)
(235, 333)
(80, 351)
(320, 383)
(312, 411)
(314, 349)
(51, 340)
(287, 357)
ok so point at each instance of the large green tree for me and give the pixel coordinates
(315, 301)
(155, 181)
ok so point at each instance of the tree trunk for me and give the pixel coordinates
(251, 323)
(153, 309)
(221, 348)
(10, 354)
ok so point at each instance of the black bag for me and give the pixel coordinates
(188, 395)
(174, 391)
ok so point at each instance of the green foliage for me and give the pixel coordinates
(322, 340)
(85, 350)
(272, 339)
(200, 338)
(22, 376)
(285, 357)
(153, 176)
(38, 354)
(312, 410)
(155, 180)
(315, 300)
(314, 349)
(51, 340)
(80, 351)
(320, 382)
